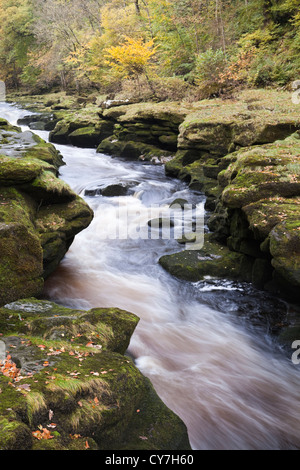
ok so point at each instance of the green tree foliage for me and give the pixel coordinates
(16, 38)
(65, 42)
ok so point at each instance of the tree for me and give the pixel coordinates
(16, 17)
(132, 58)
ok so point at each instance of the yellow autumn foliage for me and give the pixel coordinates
(131, 58)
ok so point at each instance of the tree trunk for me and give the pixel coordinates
(137, 7)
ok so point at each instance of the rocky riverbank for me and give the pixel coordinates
(243, 152)
(40, 214)
(65, 381)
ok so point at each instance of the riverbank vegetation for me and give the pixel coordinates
(152, 49)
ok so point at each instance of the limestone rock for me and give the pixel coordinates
(69, 368)
(39, 214)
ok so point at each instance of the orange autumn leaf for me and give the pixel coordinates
(42, 434)
(9, 368)
(74, 436)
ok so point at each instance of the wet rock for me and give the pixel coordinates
(112, 190)
(37, 121)
(213, 259)
(161, 222)
(115, 190)
(179, 202)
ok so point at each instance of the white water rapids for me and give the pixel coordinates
(220, 373)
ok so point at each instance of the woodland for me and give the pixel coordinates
(155, 49)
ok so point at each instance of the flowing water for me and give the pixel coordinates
(205, 346)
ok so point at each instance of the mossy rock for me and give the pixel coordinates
(285, 250)
(213, 259)
(111, 146)
(163, 114)
(6, 126)
(90, 137)
(59, 135)
(189, 166)
(39, 214)
(258, 212)
(263, 172)
(57, 226)
(81, 126)
(132, 150)
(265, 214)
(14, 171)
(21, 262)
(220, 126)
(72, 371)
(47, 188)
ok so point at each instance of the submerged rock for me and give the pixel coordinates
(67, 385)
(112, 190)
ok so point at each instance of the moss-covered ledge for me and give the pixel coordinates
(66, 384)
(39, 213)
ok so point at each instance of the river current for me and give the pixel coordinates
(205, 346)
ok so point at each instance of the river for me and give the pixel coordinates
(205, 346)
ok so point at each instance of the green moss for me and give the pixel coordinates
(39, 214)
(170, 114)
(21, 263)
(212, 260)
(14, 435)
(93, 392)
(5, 125)
(48, 188)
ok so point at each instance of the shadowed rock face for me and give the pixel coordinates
(39, 213)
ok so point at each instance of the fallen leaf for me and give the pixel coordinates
(42, 433)
(24, 387)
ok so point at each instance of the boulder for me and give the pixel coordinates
(66, 383)
(39, 214)
(213, 260)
